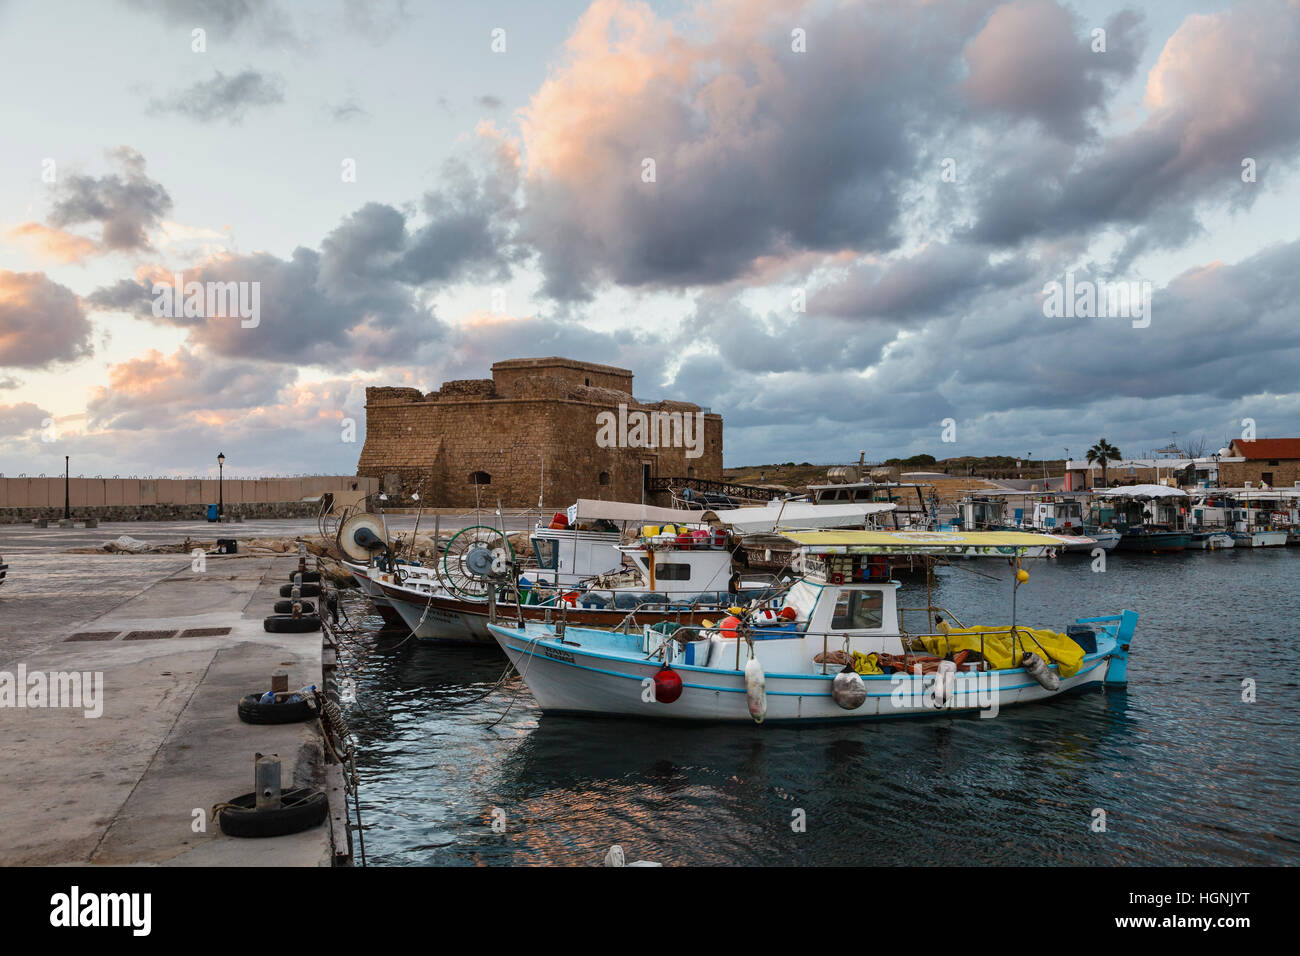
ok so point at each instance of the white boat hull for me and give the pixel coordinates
(430, 623)
(1214, 541)
(566, 678)
(1106, 540)
(1260, 539)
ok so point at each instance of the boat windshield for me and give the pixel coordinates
(858, 609)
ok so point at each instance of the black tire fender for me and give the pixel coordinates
(286, 607)
(288, 624)
(300, 809)
(307, 590)
(251, 712)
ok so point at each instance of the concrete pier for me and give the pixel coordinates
(129, 786)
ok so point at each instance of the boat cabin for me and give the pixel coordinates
(846, 603)
(566, 556)
(1063, 515)
(981, 513)
(908, 497)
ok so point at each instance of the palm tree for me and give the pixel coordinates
(1103, 453)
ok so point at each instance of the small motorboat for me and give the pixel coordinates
(1211, 540)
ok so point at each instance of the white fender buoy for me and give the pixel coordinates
(616, 857)
(756, 690)
(848, 690)
(945, 683)
(1039, 671)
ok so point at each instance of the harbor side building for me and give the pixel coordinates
(554, 429)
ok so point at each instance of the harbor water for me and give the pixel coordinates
(1177, 769)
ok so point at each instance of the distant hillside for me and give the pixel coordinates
(802, 474)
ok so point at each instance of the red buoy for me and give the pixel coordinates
(668, 685)
(729, 625)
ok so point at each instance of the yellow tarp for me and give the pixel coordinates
(997, 646)
(866, 663)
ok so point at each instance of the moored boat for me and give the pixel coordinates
(1254, 517)
(1150, 518)
(1210, 540)
(1260, 539)
(781, 662)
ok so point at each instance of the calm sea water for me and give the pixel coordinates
(1186, 772)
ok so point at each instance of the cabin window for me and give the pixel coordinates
(858, 610)
(548, 553)
(672, 572)
(480, 478)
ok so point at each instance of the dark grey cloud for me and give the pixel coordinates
(126, 204)
(347, 111)
(1034, 59)
(759, 150)
(262, 21)
(223, 97)
(932, 282)
(1222, 91)
(41, 322)
(813, 388)
(375, 20)
(20, 418)
(489, 102)
(181, 383)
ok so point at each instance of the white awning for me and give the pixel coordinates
(590, 509)
(799, 514)
(1140, 491)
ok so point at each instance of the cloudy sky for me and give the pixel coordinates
(834, 223)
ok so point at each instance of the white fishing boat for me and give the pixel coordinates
(780, 661)
(1056, 513)
(677, 566)
(1253, 517)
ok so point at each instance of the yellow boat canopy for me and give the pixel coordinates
(990, 543)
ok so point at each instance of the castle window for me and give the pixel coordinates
(480, 478)
(586, 381)
(604, 477)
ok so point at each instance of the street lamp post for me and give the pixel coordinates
(67, 510)
(221, 498)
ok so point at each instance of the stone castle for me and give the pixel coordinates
(549, 427)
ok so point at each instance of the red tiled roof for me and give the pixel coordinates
(1270, 448)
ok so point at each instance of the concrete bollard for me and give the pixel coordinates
(65, 522)
(91, 523)
(40, 522)
(266, 774)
